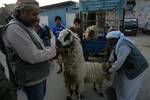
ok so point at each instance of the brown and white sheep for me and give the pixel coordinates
(77, 71)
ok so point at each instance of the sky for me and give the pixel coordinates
(41, 2)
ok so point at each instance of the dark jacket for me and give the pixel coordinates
(135, 62)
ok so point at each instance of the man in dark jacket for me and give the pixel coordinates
(43, 31)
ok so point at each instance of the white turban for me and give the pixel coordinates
(114, 34)
(120, 36)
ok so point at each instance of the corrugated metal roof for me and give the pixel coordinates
(58, 5)
(94, 5)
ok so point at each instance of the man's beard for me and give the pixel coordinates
(25, 23)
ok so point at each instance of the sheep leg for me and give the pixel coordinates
(77, 90)
(100, 87)
(69, 98)
(78, 94)
(70, 93)
(101, 94)
(70, 90)
(94, 86)
(59, 60)
(61, 67)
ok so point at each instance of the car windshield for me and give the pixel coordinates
(130, 22)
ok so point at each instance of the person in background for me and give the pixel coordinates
(56, 30)
(29, 58)
(76, 28)
(43, 32)
(36, 25)
(59, 27)
(129, 65)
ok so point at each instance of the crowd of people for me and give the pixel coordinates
(30, 53)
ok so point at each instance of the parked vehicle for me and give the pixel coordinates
(146, 29)
(130, 26)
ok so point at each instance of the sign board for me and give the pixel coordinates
(44, 20)
(70, 18)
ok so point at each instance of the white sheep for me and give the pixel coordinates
(76, 69)
(90, 33)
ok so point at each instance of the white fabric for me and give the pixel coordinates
(114, 34)
(127, 89)
(122, 54)
(120, 36)
(111, 57)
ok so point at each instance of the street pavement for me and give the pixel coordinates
(55, 83)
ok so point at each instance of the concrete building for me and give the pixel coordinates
(66, 10)
(102, 13)
(138, 9)
(5, 12)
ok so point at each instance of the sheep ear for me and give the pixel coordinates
(67, 37)
(73, 34)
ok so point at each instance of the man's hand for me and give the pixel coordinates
(109, 65)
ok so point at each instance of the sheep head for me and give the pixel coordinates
(90, 32)
(66, 37)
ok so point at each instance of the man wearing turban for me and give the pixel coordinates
(129, 65)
